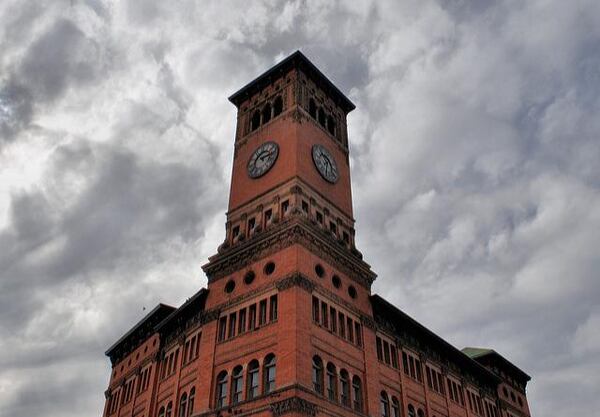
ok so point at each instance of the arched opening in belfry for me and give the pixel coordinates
(266, 113)
(322, 117)
(277, 106)
(255, 121)
(312, 108)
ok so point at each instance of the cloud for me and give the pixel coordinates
(474, 150)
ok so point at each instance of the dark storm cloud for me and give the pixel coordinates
(474, 155)
(59, 57)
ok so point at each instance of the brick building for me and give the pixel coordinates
(288, 324)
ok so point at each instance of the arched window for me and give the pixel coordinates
(357, 393)
(420, 413)
(221, 391)
(331, 125)
(269, 373)
(266, 113)
(237, 384)
(252, 381)
(169, 409)
(312, 108)
(182, 404)
(331, 382)
(345, 388)
(161, 412)
(317, 374)
(322, 117)
(255, 122)
(395, 407)
(411, 411)
(384, 404)
(277, 106)
(191, 401)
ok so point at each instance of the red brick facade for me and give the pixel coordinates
(288, 324)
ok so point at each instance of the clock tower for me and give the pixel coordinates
(290, 228)
(288, 325)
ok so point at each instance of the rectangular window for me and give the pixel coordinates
(251, 224)
(304, 207)
(394, 353)
(242, 321)
(268, 215)
(333, 316)
(236, 231)
(405, 363)
(429, 380)
(315, 309)
(386, 352)
(284, 207)
(450, 393)
(346, 238)
(324, 315)
(342, 321)
(222, 328)
(358, 333)
(319, 218)
(333, 228)
(418, 366)
(350, 330)
(273, 308)
(186, 352)
(262, 313)
(232, 324)
(252, 317)
(379, 349)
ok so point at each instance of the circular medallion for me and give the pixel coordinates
(262, 159)
(325, 163)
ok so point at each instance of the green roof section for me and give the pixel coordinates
(473, 352)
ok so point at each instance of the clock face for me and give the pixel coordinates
(325, 163)
(262, 159)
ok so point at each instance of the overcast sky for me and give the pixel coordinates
(474, 153)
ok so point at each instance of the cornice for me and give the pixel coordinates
(295, 229)
(294, 405)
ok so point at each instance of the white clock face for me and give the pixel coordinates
(325, 163)
(262, 159)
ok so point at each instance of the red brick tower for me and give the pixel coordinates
(290, 242)
(288, 325)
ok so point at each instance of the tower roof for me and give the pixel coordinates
(299, 61)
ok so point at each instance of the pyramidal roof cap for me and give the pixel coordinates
(295, 60)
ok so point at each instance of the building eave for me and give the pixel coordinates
(479, 353)
(158, 312)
